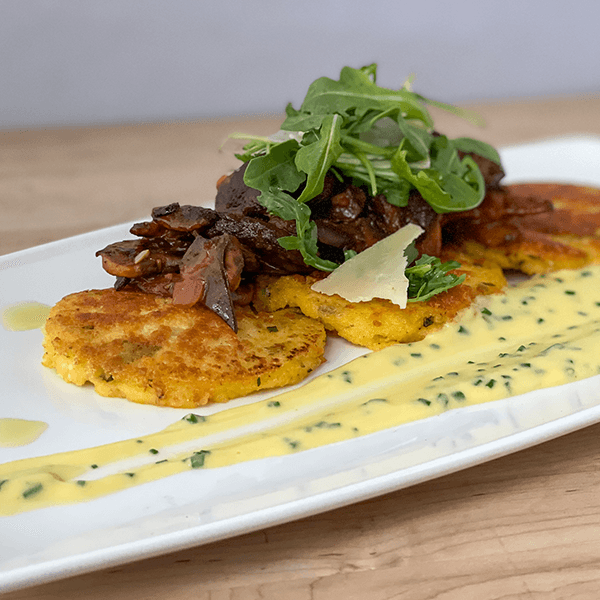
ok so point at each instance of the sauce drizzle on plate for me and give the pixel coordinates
(541, 333)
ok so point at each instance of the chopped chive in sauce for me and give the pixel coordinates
(272, 329)
(384, 400)
(33, 490)
(434, 346)
(416, 355)
(139, 441)
(424, 401)
(197, 459)
(463, 330)
(192, 418)
(443, 399)
(521, 348)
(153, 451)
(94, 466)
(293, 444)
(347, 376)
(129, 474)
(327, 425)
(274, 404)
(570, 292)
(490, 383)
(258, 381)
(81, 482)
(553, 347)
(158, 462)
(486, 311)
(458, 395)
(2, 482)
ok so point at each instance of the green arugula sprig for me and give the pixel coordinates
(429, 275)
(379, 137)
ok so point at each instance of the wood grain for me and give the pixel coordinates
(526, 526)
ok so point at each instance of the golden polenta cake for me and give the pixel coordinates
(379, 323)
(567, 237)
(142, 347)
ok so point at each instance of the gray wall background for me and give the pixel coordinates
(113, 61)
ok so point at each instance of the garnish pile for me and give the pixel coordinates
(355, 164)
(379, 138)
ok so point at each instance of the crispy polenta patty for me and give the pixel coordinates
(566, 238)
(141, 347)
(378, 323)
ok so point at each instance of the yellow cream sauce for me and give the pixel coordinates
(20, 432)
(25, 316)
(541, 333)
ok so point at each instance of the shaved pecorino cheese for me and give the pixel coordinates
(377, 272)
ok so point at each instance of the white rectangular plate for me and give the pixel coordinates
(197, 507)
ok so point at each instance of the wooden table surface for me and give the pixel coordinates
(523, 526)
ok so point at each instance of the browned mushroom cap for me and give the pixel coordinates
(184, 218)
(160, 284)
(135, 258)
(210, 269)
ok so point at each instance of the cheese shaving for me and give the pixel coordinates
(377, 272)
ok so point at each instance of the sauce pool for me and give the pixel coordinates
(25, 316)
(20, 432)
(542, 333)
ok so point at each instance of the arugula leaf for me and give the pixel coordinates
(470, 145)
(282, 205)
(285, 206)
(306, 243)
(451, 185)
(416, 141)
(378, 137)
(299, 121)
(316, 158)
(430, 276)
(275, 169)
(356, 89)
